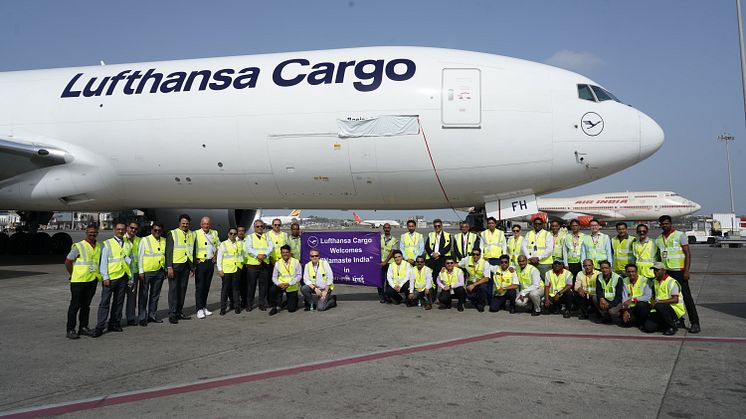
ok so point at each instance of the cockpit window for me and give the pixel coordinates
(603, 95)
(584, 92)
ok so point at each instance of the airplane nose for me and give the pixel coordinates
(651, 136)
(697, 207)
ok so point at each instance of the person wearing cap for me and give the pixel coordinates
(666, 307)
(451, 281)
(478, 274)
(397, 278)
(538, 247)
(422, 284)
(673, 247)
(597, 245)
(585, 289)
(636, 296)
(505, 284)
(609, 286)
(530, 286)
(558, 289)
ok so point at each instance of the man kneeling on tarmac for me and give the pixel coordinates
(557, 289)
(609, 287)
(636, 296)
(451, 280)
(668, 304)
(531, 288)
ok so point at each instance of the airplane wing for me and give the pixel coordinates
(18, 157)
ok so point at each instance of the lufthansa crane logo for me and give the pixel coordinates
(313, 241)
(592, 124)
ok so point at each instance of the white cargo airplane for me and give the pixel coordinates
(630, 206)
(293, 217)
(377, 127)
(374, 223)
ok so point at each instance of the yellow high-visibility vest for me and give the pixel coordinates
(183, 246)
(286, 272)
(154, 254)
(278, 240)
(386, 247)
(623, 251)
(663, 292)
(503, 279)
(609, 286)
(116, 265)
(538, 243)
(231, 257)
(514, 249)
(261, 247)
(524, 276)
(200, 241)
(556, 282)
(399, 273)
(645, 257)
(410, 244)
(420, 278)
(431, 242)
(672, 254)
(85, 266)
(492, 243)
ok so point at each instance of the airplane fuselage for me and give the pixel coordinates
(263, 131)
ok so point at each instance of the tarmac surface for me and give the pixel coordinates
(365, 359)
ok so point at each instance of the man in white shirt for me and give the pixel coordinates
(398, 277)
(319, 283)
(451, 281)
(421, 284)
(286, 276)
(530, 286)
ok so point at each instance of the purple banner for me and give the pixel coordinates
(354, 256)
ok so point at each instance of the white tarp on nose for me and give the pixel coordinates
(382, 126)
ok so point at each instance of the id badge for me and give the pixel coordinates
(664, 254)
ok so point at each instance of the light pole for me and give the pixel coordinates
(727, 138)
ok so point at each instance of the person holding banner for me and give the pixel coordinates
(389, 243)
(411, 243)
(285, 278)
(398, 278)
(422, 284)
(451, 281)
(478, 274)
(319, 283)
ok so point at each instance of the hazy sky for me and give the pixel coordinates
(677, 61)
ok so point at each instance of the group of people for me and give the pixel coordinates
(133, 269)
(638, 281)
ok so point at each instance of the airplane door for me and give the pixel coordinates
(461, 101)
(311, 166)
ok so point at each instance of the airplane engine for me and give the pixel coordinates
(220, 219)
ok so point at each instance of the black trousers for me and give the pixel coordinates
(566, 299)
(257, 275)
(230, 288)
(275, 297)
(574, 269)
(150, 293)
(130, 307)
(480, 295)
(585, 305)
(397, 296)
(202, 280)
(382, 289)
(499, 301)
(112, 298)
(244, 290)
(691, 309)
(177, 289)
(662, 318)
(81, 295)
(639, 313)
(445, 296)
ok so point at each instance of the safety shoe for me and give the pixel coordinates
(670, 331)
(143, 322)
(695, 328)
(72, 335)
(84, 331)
(96, 333)
(173, 320)
(273, 311)
(460, 307)
(181, 316)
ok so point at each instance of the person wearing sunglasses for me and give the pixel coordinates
(230, 264)
(151, 265)
(257, 248)
(318, 280)
(279, 238)
(451, 282)
(515, 245)
(478, 274)
(130, 293)
(505, 284)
